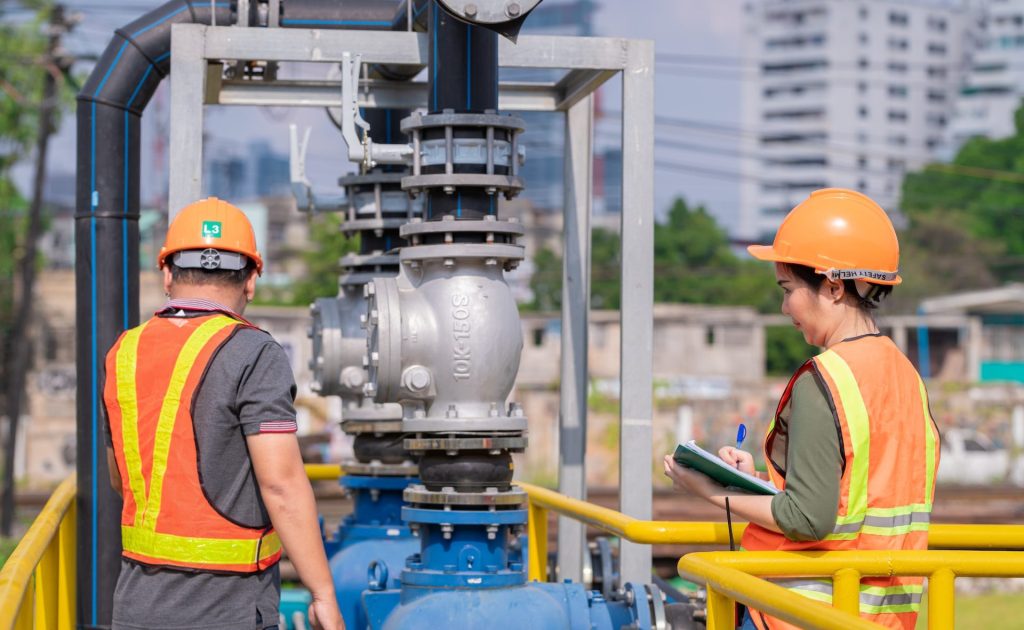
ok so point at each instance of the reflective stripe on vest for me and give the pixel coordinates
(874, 600)
(141, 537)
(859, 518)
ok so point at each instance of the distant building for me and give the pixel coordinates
(258, 172)
(545, 131)
(994, 84)
(841, 93)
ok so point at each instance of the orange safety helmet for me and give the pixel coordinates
(211, 223)
(840, 233)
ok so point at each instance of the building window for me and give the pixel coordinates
(862, 111)
(937, 24)
(936, 48)
(898, 91)
(863, 38)
(936, 72)
(863, 13)
(936, 96)
(862, 87)
(863, 63)
(898, 140)
(898, 67)
(898, 43)
(862, 185)
(937, 120)
(897, 18)
(897, 115)
(862, 161)
(896, 165)
(932, 143)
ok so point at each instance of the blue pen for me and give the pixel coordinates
(741, 434)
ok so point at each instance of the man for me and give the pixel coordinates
(203, 450)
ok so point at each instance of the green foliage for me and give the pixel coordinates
(785, 350)
(7, 546)
(970, 211)
(327, 245)
(693, 263)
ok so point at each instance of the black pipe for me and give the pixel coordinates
(462, 77)
(107, 262)
(110, 107)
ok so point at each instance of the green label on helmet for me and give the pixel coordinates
(211, 229)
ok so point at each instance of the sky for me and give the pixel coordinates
(705, 28)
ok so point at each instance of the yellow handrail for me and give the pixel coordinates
(847, 568)
(725, 586)
(45, 559)
(324, 472)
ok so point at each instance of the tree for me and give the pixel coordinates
(34, 84)
(327, 245)
(970, 210)
(693, 263)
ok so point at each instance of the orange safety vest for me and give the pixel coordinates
(154, 372)
(890, 444)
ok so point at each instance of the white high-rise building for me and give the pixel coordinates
(843, 93)
(994, 84)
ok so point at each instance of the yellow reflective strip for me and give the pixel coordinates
(899, 511)
(857, 423)
(894, 589)
(194, 550)
(128, 400)
(929, 449)
(825, 598)
(169, 411)
(892, 610)
(894, 531)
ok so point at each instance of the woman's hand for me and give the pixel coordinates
(742, 460)
(689, 480)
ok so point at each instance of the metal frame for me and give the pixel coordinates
(590, 62)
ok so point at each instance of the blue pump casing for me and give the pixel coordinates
(372, 533)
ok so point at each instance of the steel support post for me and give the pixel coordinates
(635, 369)
(572, 430)
(188, 87)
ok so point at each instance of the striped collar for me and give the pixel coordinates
(177, 307)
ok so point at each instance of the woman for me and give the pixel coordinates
(852, 447)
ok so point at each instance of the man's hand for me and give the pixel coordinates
(324, 614)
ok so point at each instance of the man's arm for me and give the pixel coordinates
(286, 492)
(115, 475)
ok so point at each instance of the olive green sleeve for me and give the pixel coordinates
(807, 509)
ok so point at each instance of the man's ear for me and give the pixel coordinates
(250, 285)
(168, 279)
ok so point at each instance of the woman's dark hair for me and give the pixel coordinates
(219, 277)
(813, 279)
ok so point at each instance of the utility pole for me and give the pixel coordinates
(18, 358)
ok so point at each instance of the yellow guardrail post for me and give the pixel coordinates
(846, 590)
(537, 529)
(941, 599)
(45, 587)
(721, 610)
(30, 581)
(67, 570)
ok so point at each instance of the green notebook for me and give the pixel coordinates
(693, 456)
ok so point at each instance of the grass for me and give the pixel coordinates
(7, 546)
(994, 610)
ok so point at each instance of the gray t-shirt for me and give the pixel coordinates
(249, 382)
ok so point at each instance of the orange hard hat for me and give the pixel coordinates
(211, 223)
(842, 234)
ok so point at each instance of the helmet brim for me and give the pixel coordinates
(768, 254)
